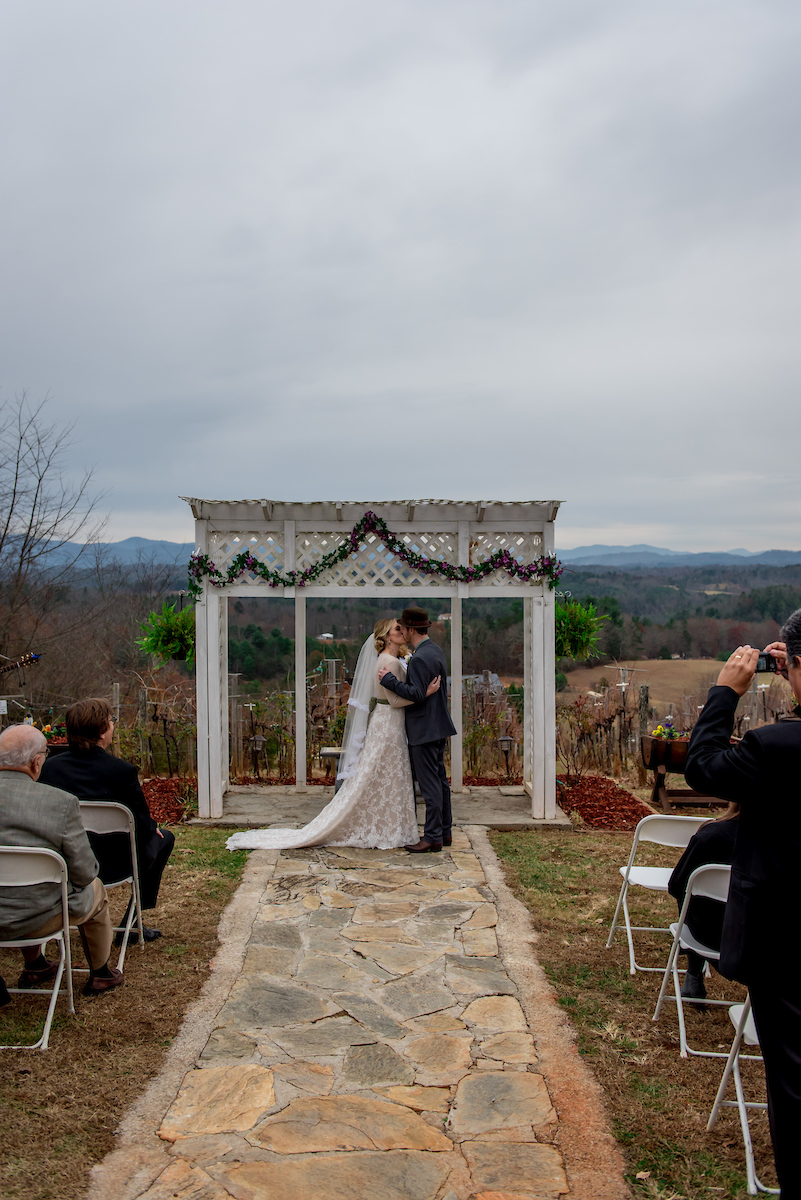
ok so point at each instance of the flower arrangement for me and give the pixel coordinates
(547, 567)
(667, 731)
(54, 731)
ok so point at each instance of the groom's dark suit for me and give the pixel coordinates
(428, 725)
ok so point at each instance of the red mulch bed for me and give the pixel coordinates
(492, 781)
(163, 800)
(601, 803)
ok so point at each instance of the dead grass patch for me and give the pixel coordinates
(60, 1108)
(658, 1102)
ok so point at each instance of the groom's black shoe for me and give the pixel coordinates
(447, 840)
(424, 847)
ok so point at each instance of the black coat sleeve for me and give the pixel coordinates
(714, 766)
(418, 677)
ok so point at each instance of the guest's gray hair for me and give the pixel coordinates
(791, 636)
(20, 744)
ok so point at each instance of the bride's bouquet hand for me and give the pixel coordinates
(433, 686)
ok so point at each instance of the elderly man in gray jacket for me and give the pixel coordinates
(33, 814)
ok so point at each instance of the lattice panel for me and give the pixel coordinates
(374, 564)
(265, 546)
(522, 546)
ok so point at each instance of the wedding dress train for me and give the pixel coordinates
(375, 807)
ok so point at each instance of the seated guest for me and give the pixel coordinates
(90, 773)
(49, 819)
(713, 843)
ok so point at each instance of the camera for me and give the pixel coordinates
(766, 662)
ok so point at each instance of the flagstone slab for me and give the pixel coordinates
(446, 912)
(326, 972)
(186, 1182)
(400, 960)
(316, 1078)
(467, 895)
(385, 910)
(415, 997)
(389, 877)
(442, 1059)
(284, 937)
(314, 1125)
(311, 902)
(440, 1022)
(219, 1099)
(271, 913)
(269, 960)
(422, 1099)
(379, 933)
(500, 1100)
(480, 943)
(228, 1043)
(323, 1038)
(376, 1063)
(336, 899)
(533, 1168)
(500, 1013)
(329, 918)
(368, 1013)
(510, 1047)
(477, 976)
(387, 1175)
(485, 917)
(258, 1003)
(435, 931)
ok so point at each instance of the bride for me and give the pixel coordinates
(374, 806)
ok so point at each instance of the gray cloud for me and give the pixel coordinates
(418, 248)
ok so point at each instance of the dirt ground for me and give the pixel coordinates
(59, 1109)
(659, 1103)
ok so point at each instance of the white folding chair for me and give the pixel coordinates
(27, 866)
(712, 882)
(106, 816)
(662, 831)
(745, 1031)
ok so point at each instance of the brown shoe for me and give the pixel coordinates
(447, 841)
(102, 983)
(424, 847)
(30, 978)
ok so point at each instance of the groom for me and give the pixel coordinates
(428, 724)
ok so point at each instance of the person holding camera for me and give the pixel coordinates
(761, 943)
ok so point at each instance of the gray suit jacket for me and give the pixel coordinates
(427, 718)
(33, 814)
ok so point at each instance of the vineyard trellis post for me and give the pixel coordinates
(293, 537)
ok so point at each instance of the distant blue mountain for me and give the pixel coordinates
(128, 551)
(656, 556)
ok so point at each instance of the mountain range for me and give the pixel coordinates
(129, 550)
(658, 556)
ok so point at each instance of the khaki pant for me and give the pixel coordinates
(95, 929)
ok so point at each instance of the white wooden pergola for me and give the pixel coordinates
(292, 536)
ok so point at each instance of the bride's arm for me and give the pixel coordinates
(391, 663)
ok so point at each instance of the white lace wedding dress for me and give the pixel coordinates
(375, 808)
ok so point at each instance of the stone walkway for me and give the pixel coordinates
(363, 1036)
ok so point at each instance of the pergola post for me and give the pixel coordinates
(300, 690)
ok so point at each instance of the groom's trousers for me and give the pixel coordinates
(428, 764)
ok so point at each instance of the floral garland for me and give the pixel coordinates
(547, 567)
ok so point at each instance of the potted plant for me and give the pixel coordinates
(170, 634)
(665, 747)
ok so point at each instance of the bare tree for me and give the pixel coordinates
(48, 523)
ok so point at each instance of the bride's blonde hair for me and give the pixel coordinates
(380, 631)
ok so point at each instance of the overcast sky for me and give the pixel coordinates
(465, 249)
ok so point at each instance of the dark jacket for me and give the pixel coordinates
(96, 775)
(427, 717)
(763, 773)
(713, 843)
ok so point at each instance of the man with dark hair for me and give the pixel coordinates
(49, 819)
(428, 726)
(761, 946)
(90, 773)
